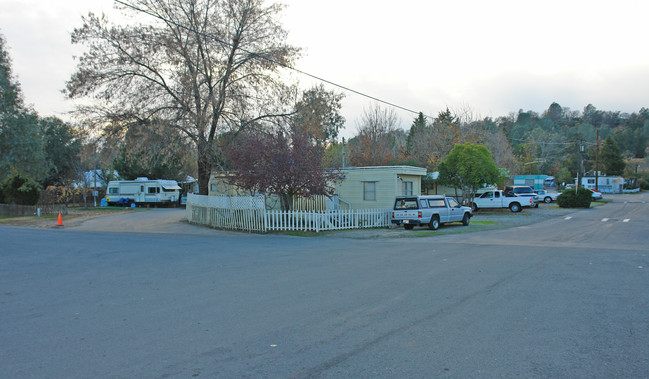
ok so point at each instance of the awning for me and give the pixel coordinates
(170, 185)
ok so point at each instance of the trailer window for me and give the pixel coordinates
(113, 190)
(154, 189)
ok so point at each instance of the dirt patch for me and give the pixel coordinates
(73, 218)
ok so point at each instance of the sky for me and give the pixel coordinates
(490, 57)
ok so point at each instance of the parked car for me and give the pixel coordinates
(501, 199)
(596, 194)
(524, 191)
(431, 210)
(547, 197)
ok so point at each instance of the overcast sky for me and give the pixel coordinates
(493, 57)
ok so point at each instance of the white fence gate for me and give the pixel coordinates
(247, 213)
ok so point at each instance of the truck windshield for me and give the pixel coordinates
(406, 204)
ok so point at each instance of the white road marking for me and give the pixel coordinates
(626, 220)
(604, 219)
(568, 218)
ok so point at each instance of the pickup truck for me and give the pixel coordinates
(431, 210)
(524, 191)
(500, 199)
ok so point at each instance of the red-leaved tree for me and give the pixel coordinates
(282, 163)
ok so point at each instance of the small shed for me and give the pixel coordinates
(534, 181)
(377, 186)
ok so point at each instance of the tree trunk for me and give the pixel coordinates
(285, 201)
(204, 168)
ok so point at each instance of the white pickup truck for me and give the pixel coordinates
(498, 199)
(431, 210)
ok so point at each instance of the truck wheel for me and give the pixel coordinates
(465, 219)
(474, 207)
(515, 207)
(434, 223)
(408, 226)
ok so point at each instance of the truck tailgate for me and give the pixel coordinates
(405, 215)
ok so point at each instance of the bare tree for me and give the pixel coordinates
(206, 66)
(375, 139)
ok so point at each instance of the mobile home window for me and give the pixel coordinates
(406, 188)
(369, 191)
(113, 190)
(591, 181)
(154, 189)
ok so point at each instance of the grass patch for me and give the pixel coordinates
(483, 222)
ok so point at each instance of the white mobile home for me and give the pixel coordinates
(377, 186)
(143, 191)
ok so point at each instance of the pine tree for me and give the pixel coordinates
(611, 158)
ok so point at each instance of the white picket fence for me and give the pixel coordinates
(245, 218)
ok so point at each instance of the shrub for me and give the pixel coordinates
(575, 198)
(19, 189)
(643, 184)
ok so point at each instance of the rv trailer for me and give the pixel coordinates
(143, 192)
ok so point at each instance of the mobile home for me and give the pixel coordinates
(143, 191)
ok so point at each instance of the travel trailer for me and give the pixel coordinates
(143, 192)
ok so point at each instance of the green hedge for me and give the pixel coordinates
(575, 198)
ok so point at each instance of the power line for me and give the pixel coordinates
(270, 60)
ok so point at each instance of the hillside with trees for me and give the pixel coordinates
(522, 142)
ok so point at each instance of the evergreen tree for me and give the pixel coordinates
(611, 157)
(22, 145)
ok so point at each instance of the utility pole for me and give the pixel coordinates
(579, 169)
(596, 159)
(94, 189)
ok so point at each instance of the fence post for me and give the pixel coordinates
(265, 215)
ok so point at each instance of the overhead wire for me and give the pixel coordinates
(345, 88)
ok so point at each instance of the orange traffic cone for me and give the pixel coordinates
(60, 221)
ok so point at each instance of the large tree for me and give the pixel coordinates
(283, 163)
(22, 144)
(469, 167)
(155, 150)
(206, 66)
(611, 158)
(63, 148)
(375, 143)
(317, 113)
(420, 141)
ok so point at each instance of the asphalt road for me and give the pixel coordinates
(564, 298)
